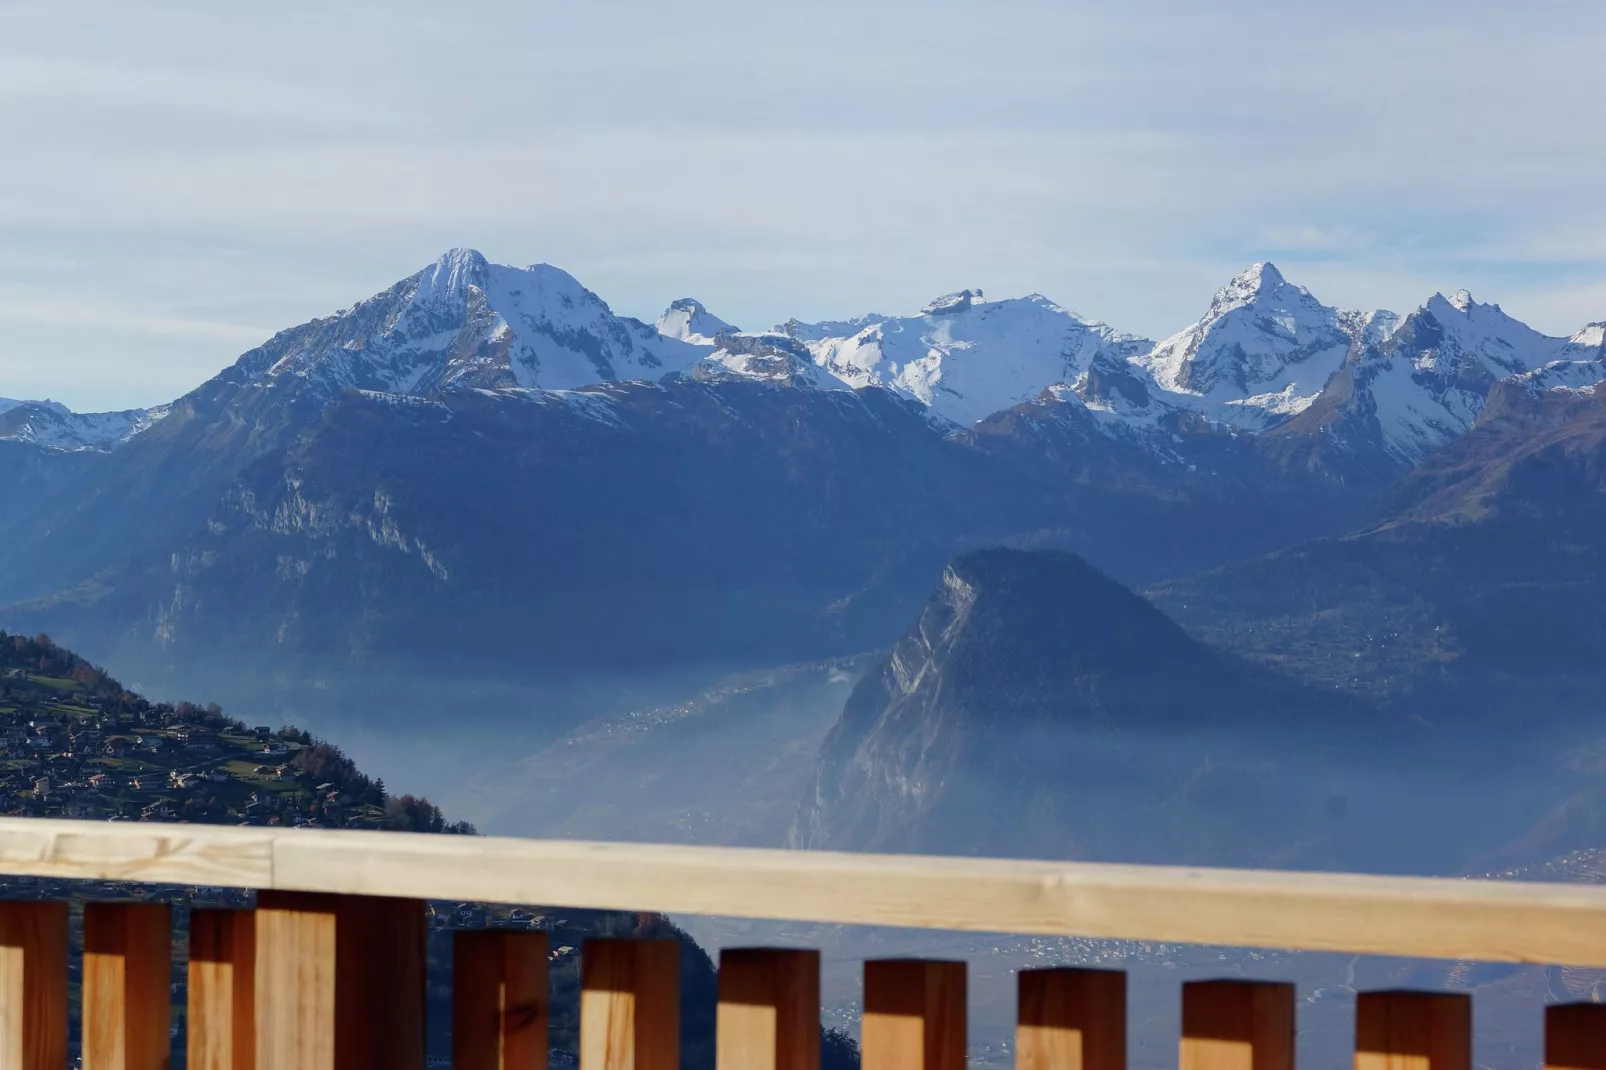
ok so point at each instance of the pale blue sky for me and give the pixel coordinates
(181, 179)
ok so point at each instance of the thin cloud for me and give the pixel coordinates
(811, 160)
(46, 312)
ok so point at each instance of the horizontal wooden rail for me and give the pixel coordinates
(1498, 921)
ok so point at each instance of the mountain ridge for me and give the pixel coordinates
(1266, 357)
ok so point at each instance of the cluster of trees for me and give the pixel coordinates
(413, 813)
(324, 762)
(40, 654)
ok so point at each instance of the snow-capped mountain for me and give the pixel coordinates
(1262, 352)
(53, 425)
(962, 355)
(1582, 364)
(1587, 344)
(464, 322)
(687, 320)
(1423, 383)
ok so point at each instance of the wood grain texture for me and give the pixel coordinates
(1413, 1031)
(914, 1015)
(128, 972)
(630, 1005)
(769, 1010)
(340, 982)
(1575, 1037)
(1237, 1025)
(1071, 1019)
(221, 1020)
(501, 1001)
(295, 982)
(33, 986)
(1489, 921)
(137, 851)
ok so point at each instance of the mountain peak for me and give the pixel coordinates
(1589, 343)
(1263, 274)
(1254, 281)
(1021, 671)
(948, 304)
(1258, 282)
(689, 320)
(46, 404)
(1460, 302)
(454, 271)
(1262, 352)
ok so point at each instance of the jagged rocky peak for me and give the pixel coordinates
(1262, 352)
(463, 322)
(948, 304)
(1254, 282)
(454, 272)
(690, 321)
(1455, 331)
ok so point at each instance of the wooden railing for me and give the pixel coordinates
(327, 972)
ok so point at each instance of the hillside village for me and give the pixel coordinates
(74, 743)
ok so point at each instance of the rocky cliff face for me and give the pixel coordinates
(1038, 707)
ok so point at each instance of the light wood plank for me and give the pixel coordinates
(1237, 1025)
(1071, 1019)
(914, 1015)
(1413, 1031)
(500, 1000)
(769, 1010)
(295, 982)
(33, 986)
(340, 982)
(1491, 921)
(630, 1005)
(220, 1027)
(1575, 1037)
(128, 974)
(137, 851)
